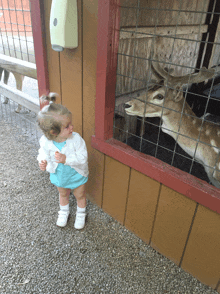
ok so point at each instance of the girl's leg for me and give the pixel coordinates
(64, 206)
(79, 193)
(64, 196)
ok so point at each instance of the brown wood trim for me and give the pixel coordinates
(116, 182)
(171, 177)
(202, 254)
(141, 205)
(173, 221)
(147, 32)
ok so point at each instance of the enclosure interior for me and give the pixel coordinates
(184, 35)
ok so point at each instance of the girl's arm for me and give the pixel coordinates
(43, 154)
(79, 155)
(43, 165)
(60, 158)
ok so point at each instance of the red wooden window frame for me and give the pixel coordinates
(107, 48)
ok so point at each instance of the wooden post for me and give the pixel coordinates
(37, 17)
(207, 50)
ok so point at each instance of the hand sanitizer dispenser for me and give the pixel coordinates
(63, 24)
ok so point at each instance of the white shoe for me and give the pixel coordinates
(80, 220)
(62, 218)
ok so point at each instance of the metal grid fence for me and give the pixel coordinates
(23, 125)
(16, 40)
(181, 40)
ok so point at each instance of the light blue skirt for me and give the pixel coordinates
(67, 177)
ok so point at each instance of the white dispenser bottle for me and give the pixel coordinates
(63, 24)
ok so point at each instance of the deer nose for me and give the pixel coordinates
(127, 106)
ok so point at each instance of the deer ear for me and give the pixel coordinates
(177, 94)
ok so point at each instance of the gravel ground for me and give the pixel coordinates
(39, 257)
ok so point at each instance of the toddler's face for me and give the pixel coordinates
(66, 129)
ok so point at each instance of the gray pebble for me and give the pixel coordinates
(39, 257)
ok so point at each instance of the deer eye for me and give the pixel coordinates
(159, 97)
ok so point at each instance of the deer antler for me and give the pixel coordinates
(199, 77)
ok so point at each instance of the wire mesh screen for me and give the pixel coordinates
(23, 125)
(168, 88)
(16, 39)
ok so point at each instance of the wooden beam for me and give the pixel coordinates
(22, 67)
(20, 97)
(214, 58)
(212, 49)
(40, 32)
(148, 32)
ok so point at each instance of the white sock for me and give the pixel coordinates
(79, 209)
(64, 207)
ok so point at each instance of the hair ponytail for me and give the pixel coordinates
(47, 117)
(51, 97)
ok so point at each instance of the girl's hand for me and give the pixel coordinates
(43, 165)
(60, 158)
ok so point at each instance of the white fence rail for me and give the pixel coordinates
(20, 97)
(22, 67)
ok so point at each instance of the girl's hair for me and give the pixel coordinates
(48, 118)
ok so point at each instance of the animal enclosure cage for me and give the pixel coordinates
(18, 69)
(16, 38)
(167, 104)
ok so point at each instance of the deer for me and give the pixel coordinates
(198, 137)
(19, 82)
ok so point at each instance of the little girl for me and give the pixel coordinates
(64, 155)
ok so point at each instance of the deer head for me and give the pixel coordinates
(167, 94)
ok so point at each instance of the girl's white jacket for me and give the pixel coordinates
(75, 151)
